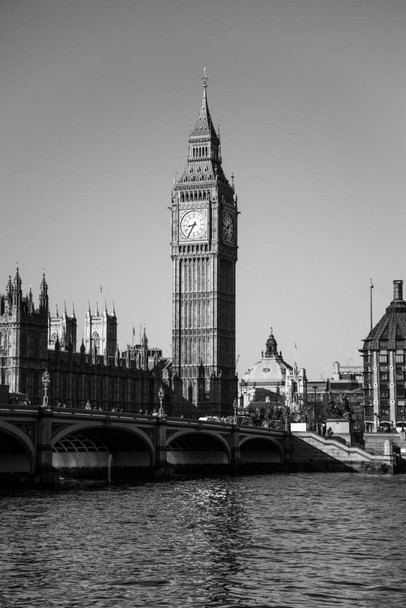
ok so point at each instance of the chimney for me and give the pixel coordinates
(398, 290)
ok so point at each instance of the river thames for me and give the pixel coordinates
(288, 540)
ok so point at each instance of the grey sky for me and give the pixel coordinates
(96, 102)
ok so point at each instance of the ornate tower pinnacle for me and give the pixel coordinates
(204, 79)
(43, 295)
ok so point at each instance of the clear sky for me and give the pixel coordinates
(97, 97)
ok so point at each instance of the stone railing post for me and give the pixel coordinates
(45, 474)
(235, 462)
(162, 468)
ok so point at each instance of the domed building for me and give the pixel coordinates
(384, 353)
(272, 380)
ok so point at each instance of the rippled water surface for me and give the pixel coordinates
(307, 540)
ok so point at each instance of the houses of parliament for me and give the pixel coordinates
(201, 375)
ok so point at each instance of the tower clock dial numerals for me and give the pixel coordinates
(193, 225)
(228, 227)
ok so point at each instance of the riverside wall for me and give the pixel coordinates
(307, 451)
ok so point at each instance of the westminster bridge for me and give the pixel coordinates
(40, 444)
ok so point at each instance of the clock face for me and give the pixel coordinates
(228, 227)
(193, 225)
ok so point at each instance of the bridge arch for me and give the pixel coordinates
(190, 447)
(17, 452)
(89, 446)
(261, 450)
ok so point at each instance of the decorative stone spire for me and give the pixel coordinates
(204, 125)
(204, 150)
(43, 295)
(17, 291)
(17, 281)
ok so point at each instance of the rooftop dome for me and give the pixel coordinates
(390, 331)
(270, 370)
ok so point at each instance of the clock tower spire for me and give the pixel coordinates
(204, 256)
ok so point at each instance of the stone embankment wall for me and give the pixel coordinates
(376, 441)
(310, 452)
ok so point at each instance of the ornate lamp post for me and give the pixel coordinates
(235, 411)
(45, 383)
(161, 395)
(315, 423)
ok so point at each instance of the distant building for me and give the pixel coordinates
(32, 341)
(345, 379)
(384, 355)
(272, 380)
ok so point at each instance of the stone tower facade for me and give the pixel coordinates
(62, 331)
(100, 333)
(204, 255)
(23, 337)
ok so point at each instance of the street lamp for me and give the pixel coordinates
(315, 388)
(235, 411)
(45, 383)
(161, 395)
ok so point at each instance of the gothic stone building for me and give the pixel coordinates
(204, 255)
(31, 341)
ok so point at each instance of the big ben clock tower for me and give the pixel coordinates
(204, 255)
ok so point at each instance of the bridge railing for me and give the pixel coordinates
(97, 414)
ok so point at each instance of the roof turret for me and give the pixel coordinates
(271, 345)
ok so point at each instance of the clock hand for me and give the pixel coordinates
(191, 228)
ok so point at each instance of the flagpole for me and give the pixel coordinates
(371, 286)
